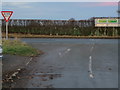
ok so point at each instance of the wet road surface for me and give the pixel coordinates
(72, 63)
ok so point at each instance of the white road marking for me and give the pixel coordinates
(90, 67)
(91, 50)
(90, 57)
(91, 75)
(29, 61)
(62, 54)
(68, 50)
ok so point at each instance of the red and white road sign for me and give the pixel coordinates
(7, 15)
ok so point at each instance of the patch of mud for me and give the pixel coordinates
(11, 77)
(13, 67)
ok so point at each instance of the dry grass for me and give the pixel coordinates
(58, 36)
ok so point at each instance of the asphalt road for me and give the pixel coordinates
(72, 63)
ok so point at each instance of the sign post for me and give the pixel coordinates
(7, 15)
(7, 30)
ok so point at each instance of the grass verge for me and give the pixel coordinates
(14, 35)
(17, 47)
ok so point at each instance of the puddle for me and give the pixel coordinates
(48, 74)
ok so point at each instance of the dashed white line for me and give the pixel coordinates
(90, 57)
(90, 67)
(68, 50)
(60, 54)
(29, 61)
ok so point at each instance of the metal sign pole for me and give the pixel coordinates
(6, 30)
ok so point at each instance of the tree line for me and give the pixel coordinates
(59, 27)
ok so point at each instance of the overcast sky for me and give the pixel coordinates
(61, 10)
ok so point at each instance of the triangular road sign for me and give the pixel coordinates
(6, 15)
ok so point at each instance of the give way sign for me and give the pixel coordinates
(7, 15)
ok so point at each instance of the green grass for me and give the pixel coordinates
(16, 47)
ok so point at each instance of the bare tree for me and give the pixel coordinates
(71, 19)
